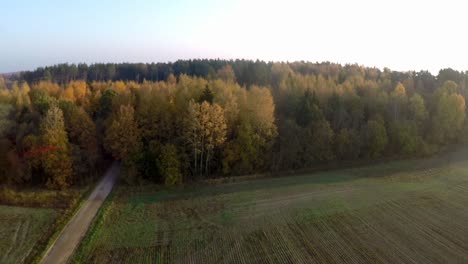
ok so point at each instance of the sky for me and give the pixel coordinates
(398, 34)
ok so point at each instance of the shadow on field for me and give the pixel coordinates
(150, 194)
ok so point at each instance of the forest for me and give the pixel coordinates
(173, 123)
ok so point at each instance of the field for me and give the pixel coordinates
(31, 218)
(20, 230)
(398, 212)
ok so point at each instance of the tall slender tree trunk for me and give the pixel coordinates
(207, 160)
(195, 152)
(201, 155)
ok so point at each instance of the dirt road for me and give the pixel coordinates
(74, 231)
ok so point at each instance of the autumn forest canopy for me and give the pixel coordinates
(178, 122)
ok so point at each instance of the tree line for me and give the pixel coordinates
(214, 118)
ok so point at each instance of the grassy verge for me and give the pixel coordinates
(330, 166)
(85, 245)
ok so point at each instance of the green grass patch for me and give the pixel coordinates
(20, 230)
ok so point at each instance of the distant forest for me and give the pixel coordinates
(176, 122)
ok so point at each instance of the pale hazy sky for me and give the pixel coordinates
(399, 34)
